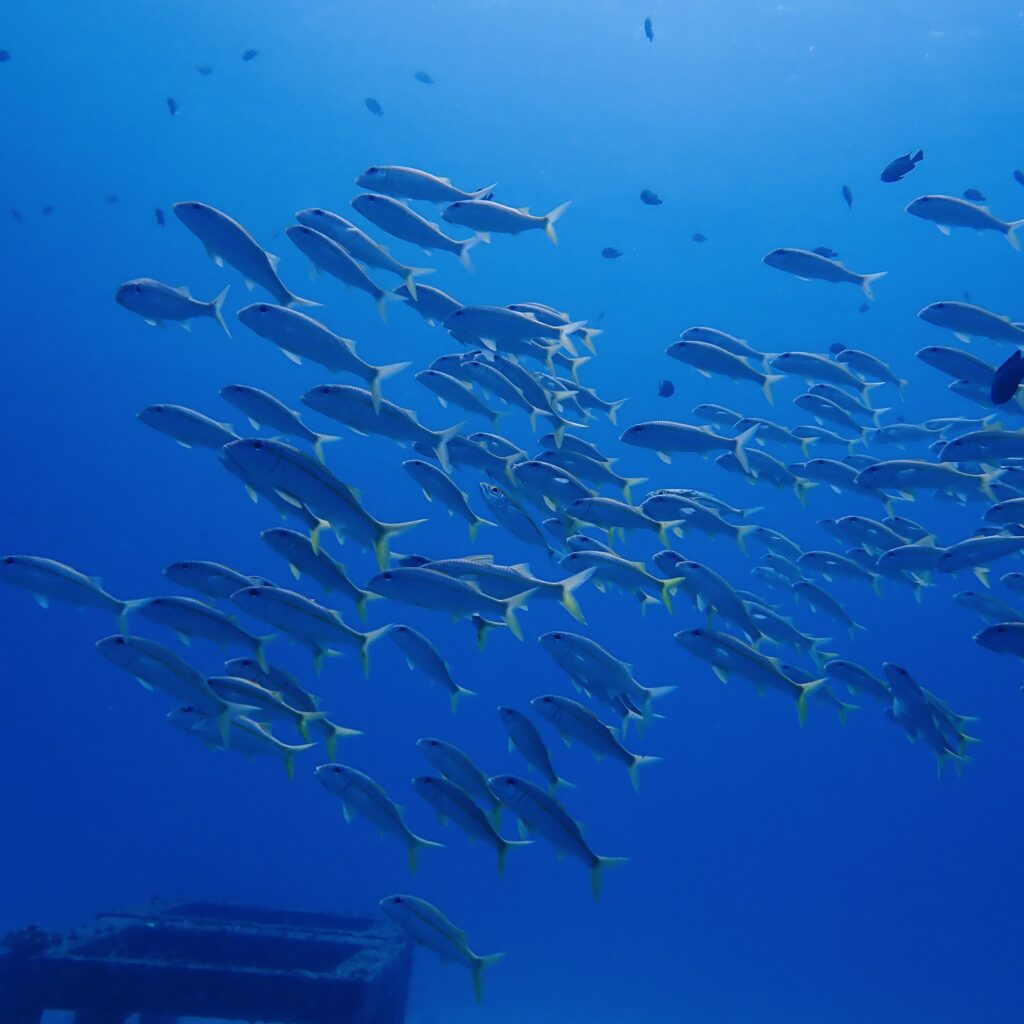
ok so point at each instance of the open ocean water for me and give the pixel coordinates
(775, 873)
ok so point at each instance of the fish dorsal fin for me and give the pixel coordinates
(184, 292)
(98, 580)
(482, 559)
(521, 567)
(523, 209)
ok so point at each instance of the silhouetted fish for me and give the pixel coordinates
(1007, 379)
(172, 105)
(974, 195)
(1018, 176)
(898, 169)
(112, 199)
(864, 307)
(650, 198)
(422, 76)
(824, 250)
(250, 54)
(667, 389)
(848, 196)
(649, 29)
(610, 254)
(159, 214)
(698, 237)
(47, 210)
(374, 107)
(5, 55)
(204, 69)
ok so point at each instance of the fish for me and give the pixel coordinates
(966, 321)
(540, 813)
(210, 579)
(958, 364)
(727, 655)
(205, 70)
(327, 256)
(412, 183)
(847, 194)
(909, 475)
(1018, 176)
(46, 579)
(157, 667)
(824, 250)
(262, 409)
(398, 220)
(858, 680)
(487, 217)
(649, 198)
(161, 220)
(898, 169)
(977, 553)
(420, 653)
(990, 608)
(666, 389)
(973, 195)
(649, 30)
(610, 569)
(248, 55)
(511, 516)
(424, 77)
(698, 237)
(1007, 378)
(264, 703)
(991, 446)
(188, 427)
(524, 737)
(299, 336)
(948, 212)
(5, 56)
(172, 106)
(503, 326)
(426, 588)
(458, 767)
(436, 484)
(366, 797)
(427, 926)
(613, 515)
(667, 438)
(712, 594)
(720, 339)
(824, 409)
(831, 565)
(157, 302)
(547, 486)
(824, 603)
(373, 106)
(867, 365)
(226, 241)
(718, 414)
(709, 360)
(810, 266)
(611, 254)
(360, 246)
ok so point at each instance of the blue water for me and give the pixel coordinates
(775, 873)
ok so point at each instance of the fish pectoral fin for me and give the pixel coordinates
(217, 260)
(183, 637)
(292, 356)
(524, 832)
(346, 812)
(723, 676)
(42, 600)
(943, 228)
(142, 682)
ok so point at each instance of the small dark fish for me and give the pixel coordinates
(898, 169)
(159, 214)
(650, 198)
(205, 69)
(1007, 379)
(172, 105)
(374, 107)
(600, 316)
(649, 29)
(47, 210)
(967, 297)
(5, 55)
(250, 54)
(610, 254)
(422, 76)
(1018, 176)
(824, 250)
(864, 307)
(974, 195)
(698, 237)
(848, 196)
(836, 347)
(16, 215)
(112, 199)
(667, 389)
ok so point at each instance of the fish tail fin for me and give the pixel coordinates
(318, 444)
(801, 487)
(741, 535)
(511, 604)
(589, 334)
(127, 607)
(569, 587)
(364, 646)
(551, 219)
(260, 649)
(228, 715)
(216, 310)
(314, 535)
(479, 965)
(741, 452)
(1011, 233)
(441, 447)
(295, 300)
(844, 708)
(663, 528)
(639, 760)
(575, 364)
(338, 732)
(388, 531)
(465, 247)
(381, 373)
(631, 482)
(668, 587)
(411, 273)
(510, 461)
(481, 625)
(481, 193)
(382, 309)
(613, 410)
(876, 416)
(865, 282)
(801, 700)
(988, 479)
(460, 691)
(595, 872)
(766, 387)
(475, 525)
(305, 717)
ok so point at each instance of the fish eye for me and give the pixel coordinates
(556, 636)
(324, 389)
(253, 592)
(119, 641)
(388, 575)
(138, 288)
(698, 632)
(336, 770)
(263, 308)
(9, 560)
(397, 901)
(194, 206)
(547, 700)
(188, 709)
(258, 445)
(372, 170)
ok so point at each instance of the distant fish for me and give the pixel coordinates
(47, 210)
(1007, 379)
(824, 250)
(250, 54)
(667, 389)
(650, 198)
(422, 76)
(649, 29)
(5, 55)
(172, 105)
(112, 199)
(974, 195)
(156, 302)
(160, 219)
(848, 196)
(205, 69)
(698, 237)
(948, 212)
(374, 107)
(610, 254)
(810, 266)
(898, 169)
(863, 308)
(1018, 176)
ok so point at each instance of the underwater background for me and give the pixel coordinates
(775, 873)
